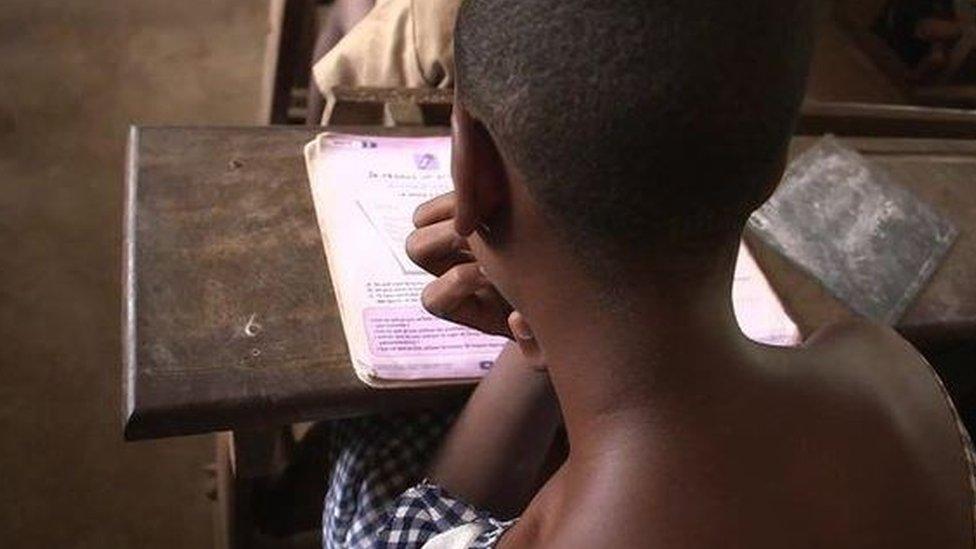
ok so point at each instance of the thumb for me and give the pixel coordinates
(525, 339)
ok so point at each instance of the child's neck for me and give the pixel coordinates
(673, 354)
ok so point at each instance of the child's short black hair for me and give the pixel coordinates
(637, 124)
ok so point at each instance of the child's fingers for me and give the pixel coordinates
(436, 248)
(481, 314)
(464, 296)
(434, 210)
(447, 293)
(491, 312)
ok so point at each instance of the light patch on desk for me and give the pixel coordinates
(253, 327)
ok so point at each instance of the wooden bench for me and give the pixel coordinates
(952, 88)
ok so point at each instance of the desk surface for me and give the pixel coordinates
(229, 319)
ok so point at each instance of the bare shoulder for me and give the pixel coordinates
(876, 363)
(564, 517)
(859, 330)
(900, 418)
(867, 348)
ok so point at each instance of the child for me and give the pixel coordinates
(606, 157)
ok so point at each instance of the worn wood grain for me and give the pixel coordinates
(879, 120)
(368, 106)
(230, 320)
(229, 317)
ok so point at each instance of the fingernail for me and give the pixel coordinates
(523, 334)
(520, 328)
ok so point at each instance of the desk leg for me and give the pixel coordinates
(245, 459)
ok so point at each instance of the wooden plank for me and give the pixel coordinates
(368, 106)
(419, 96)
(269, 66)
(371, 107)
(229, 317)
(402, 113)
(288, 57)
(878, 120)
(223, 494)
(959, 95)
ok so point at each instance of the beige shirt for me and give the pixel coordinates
(400, 43)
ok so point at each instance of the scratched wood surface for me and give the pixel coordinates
(229, 319)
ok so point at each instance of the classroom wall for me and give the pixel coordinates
(73, 75)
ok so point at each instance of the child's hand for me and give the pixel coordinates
(461, 293)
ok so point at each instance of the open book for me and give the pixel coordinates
(365, 190)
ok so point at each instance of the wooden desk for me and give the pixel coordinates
(229, 318)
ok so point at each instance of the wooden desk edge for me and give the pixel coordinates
(867, 120)
(149, 422)
(129, 374)
(359, 129)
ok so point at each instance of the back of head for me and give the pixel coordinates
(638, 125)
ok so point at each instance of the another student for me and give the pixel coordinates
(399, 43)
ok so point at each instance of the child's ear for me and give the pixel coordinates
(526, 340)
(480, 182)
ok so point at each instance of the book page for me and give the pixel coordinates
(365, 191)
(758, 310)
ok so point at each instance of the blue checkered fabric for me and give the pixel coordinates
(377, 497)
